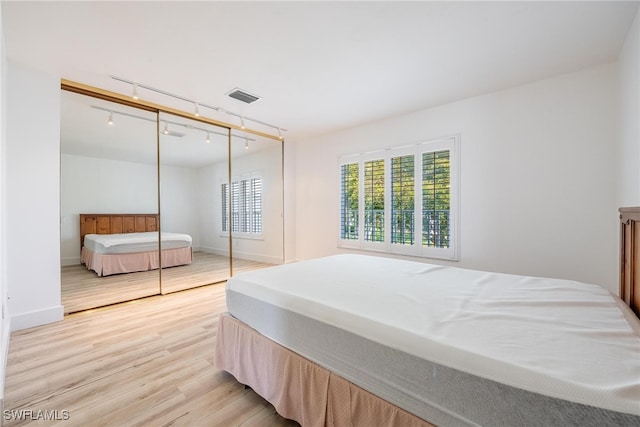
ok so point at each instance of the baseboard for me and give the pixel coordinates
(257, 257)
(37, 318)
(242, 255)
(70, 261)
(209, 250)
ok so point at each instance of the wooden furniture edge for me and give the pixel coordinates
(629, 285)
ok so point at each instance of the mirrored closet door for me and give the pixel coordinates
(193, 160)
(153, 201)
(255, 197)
(108, 185)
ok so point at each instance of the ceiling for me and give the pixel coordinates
(319, 66)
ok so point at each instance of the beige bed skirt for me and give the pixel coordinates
(298, 388)
(106, 265)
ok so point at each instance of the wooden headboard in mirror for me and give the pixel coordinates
(630, 257)
(116, 223)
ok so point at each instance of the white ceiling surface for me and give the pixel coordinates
(319, 66)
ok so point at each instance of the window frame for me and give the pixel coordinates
(450, 143)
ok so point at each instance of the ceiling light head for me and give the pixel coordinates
(166, 128)
(280, 134)
(110, 119)
(208, 140)
(135, 91)
(242, 126)
(197, 110)
(246, 144)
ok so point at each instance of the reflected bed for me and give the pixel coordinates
(127, 243)
(329, 341)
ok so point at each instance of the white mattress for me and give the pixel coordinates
(134, 242)
(558, 338)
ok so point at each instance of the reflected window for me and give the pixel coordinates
(246, 205)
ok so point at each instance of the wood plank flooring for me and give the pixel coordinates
(83, 289)
(143, 363)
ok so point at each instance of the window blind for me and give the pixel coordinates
(436, 181)
(246, 206)
(349, 188)
(374, 200)
(402, 199)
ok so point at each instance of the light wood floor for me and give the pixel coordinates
(83, 289)
(143, 363)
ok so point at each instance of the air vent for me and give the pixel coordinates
(243, 95)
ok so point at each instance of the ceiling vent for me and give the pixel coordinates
(243, 95)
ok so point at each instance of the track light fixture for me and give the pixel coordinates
(197, 105)
(166, 128)
(208, 140)
(246, 144)
(110, 119)
(242, 126)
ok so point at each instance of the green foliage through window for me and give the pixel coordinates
(374, 201)
(349, 179)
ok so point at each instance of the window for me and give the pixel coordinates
(409, 200)
(374, 201)
(246, 206)
(349, 201)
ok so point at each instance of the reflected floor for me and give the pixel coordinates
(83, 289)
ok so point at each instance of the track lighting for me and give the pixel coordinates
(246, 144)
(197, 105)
(166, 128)
(208, 140)
(110, 119)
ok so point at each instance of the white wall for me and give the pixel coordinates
(629, 88)
(210, 208)
(289, 201)
(92, 185)
(32, 177)
(537, 177)
(179, 207)
(5, 320)
(268, 164)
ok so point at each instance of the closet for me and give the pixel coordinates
(191, 177)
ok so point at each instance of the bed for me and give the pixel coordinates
(126, 243)
(359, 340)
